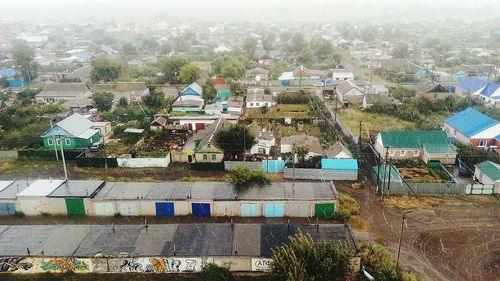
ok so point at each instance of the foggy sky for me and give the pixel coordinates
(80, 11)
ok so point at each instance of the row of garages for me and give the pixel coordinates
(165, 199)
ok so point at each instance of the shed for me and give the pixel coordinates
(31, 201)
(69, 198)
(488, 172)
(8, 192)
(345, 169)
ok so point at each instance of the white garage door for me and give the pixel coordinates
(128, 208)
(298, 210)
(104, 209)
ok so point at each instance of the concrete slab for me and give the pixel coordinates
(152, 242)
(58, 244)
(247, 239)
(103, 239)
(202, 240)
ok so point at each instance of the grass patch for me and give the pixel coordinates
(297, 111)
(358, 223)
(371, 121)
(17, 165)
(348, 207)
(207, 179)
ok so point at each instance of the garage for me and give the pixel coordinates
(164, 209)
(129, 208)
(250, 210)
(300, 210)
(200, 209)
(7, 209)
(324, 210)
(274, 210)
(75, 206)
(104, 209)
(223, 209)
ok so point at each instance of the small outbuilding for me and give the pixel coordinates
(488, 172)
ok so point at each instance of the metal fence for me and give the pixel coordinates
(254, 166)
(320, 174)
(425, 188)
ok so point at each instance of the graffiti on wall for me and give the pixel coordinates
(261, 264)
(14, 264)
(163, 264)
(65, 265)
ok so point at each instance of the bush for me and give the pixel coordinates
(293, 98)
(348, 207)
(242, 176)
(213, 272)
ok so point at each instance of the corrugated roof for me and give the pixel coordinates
(14, 188)
(470, 122)
(5, 184)
(41, 188)
(78, 188)
(339, 164)
(472, 84)
(416, 139)
(490, 169)
(195, 87)
(491, 90)
(75, 124)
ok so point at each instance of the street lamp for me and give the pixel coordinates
(401, 235)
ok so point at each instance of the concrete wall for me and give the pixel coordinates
(444, 158)
(231, 165)
(456, 134)
(143, 162)
(8, 154)
(321, 174)
(179, 156)
(53, 206)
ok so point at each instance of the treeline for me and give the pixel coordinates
(292, 98)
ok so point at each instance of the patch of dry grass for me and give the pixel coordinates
(17, 165)
(358, 223)
(206, 179)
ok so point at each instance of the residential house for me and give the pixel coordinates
(105, 130)
(342, 74)
(416, 145)
(199, 122)
(256, 98)
(337, 151)
(470, 126)
(57, 92)
(131, 91)
(7, 73)
(257, 74)
(349, 93)
(158, 124)
(202, 147)
(490, 95)
(425, 86)
(471, 86)
(312, 143)
(265, 141)
(223, 91)
(488, 172)
(460, 76)
(74, 132)
(214, 109)
(187, 105)
(405, 66)
(376, 94)
(192, 92)
(301, 76)
(235, 105)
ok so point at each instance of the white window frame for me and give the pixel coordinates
(67, 141)
(50, 141)
(482, 143)
(58, 141)
(416, 152)
(392, 152)
(402, 153)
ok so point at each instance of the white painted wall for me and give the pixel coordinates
(143, 162)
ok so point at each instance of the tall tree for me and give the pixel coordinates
(301, 151)
(297, 43)
(249, 46)
(305, 57)
(103, 101)
(235, 139)
(189, 73)
(155, 99)
(209, 91)
(268, 42)
(24, 59)
(105, 69)
(171, 68)
(322, 48)
(400, 51)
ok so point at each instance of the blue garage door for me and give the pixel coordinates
(274, 210)
(201, 209)
(7, 209)
(164, 209)
(250, 210)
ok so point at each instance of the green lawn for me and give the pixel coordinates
(371, 121)
(298, 111)
(15, 166)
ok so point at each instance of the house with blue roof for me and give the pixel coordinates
(470, 126)
(490, 94)
(192, 92)
(470, 86)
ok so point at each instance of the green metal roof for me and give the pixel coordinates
(490, 169)
(394, 174)
(432, 141)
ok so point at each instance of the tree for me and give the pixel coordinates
(189, 73)
(301, 151)
(368, 33)
(237, 88)
(305, 57)
(171, 68)
(305, 260)
(103, 101)
(209, 91)
(129, 49)
(105, 69)
(235, 139)
(322, 49)
(400, 51)
(242, 176)
(213, 272)
(122, 102)
(297, 43)
(249, 46)
(24, 59)
(268, 42)
(155, 99)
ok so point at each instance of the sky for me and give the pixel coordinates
(74, 11)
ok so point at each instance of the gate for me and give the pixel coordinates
(201, 209)
(274, 210)
(164, 209)
(250, 210)
(324, 210)
(75, 206)
(7, 209)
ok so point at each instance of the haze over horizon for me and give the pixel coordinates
(84, 11)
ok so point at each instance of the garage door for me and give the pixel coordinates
(128, 208)
(201, 209)
(104, 209)
(164, 209)
(30, 207)
(324, 210)
(250, 210)
(274, 210)
(199, 126)
(7, 209)
(298, 210)
(75, 206)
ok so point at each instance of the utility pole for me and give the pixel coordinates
(54, 139)
(359, 138)
(385, 170)
(63, 160)
(389, 178)
(293, 166)
(401, 236)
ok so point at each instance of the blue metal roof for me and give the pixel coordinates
(472, 84)
(470, 122)
(489, 89)
(339, 164)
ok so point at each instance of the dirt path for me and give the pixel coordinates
(454, 239)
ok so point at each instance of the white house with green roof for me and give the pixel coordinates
(74, 132)
(416, 145)
(488, 172)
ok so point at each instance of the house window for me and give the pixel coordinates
(209, 145)
(251, 104)
(58, 141)
(50, 142)
(482, 143)
(392, 152)
(67, 141)
(402, 153)
(415, 152)
(205, 157)
(214, 157)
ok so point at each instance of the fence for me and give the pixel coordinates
(8, 154)
(426, 188)
(207, 166)
(231, 165)
(480, 189)
(144, 162)
(320, 174)
(47, 154)
(97, 162)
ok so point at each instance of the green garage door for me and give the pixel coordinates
(75, 206)
(324, 210)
